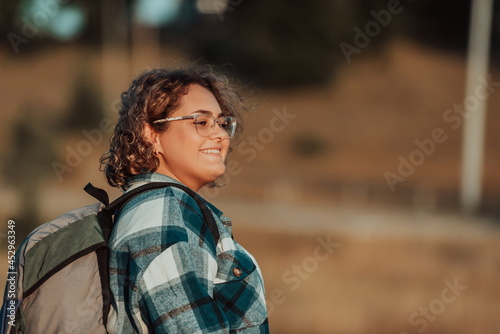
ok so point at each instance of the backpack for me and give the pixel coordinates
(60, 280)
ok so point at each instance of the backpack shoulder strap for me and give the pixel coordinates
(105, 218)
(117, 204)
(207, 214)
(100, 194)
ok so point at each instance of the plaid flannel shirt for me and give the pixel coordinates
(168, 276)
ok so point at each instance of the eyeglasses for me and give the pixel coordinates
(205, 124)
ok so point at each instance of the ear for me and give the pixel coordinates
(151, 136)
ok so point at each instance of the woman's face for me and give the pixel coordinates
(184, 154)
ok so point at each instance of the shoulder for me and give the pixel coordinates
(160, 199)
(164, 211)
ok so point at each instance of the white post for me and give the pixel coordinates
(475, 106)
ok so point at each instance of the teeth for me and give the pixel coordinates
(210, 151)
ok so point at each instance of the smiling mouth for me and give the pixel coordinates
(210, 151)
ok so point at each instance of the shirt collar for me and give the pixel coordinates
(140, 179)
(150, 177)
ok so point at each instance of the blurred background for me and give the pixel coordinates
(347, 185)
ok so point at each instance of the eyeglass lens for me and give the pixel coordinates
(205, 125)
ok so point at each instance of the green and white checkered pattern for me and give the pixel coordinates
(168, 276)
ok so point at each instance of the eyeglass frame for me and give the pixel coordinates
(194, 117)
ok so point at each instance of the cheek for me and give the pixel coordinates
(226, 144)
(182, 145)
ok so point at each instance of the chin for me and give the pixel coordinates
(217, 173)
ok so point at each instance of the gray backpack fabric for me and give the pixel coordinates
(60, 280)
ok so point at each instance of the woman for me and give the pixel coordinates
(166, 273)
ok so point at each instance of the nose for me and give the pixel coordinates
(218, 131)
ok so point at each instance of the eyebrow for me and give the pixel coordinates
(201, 111)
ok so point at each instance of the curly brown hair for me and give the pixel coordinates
(154, 95)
